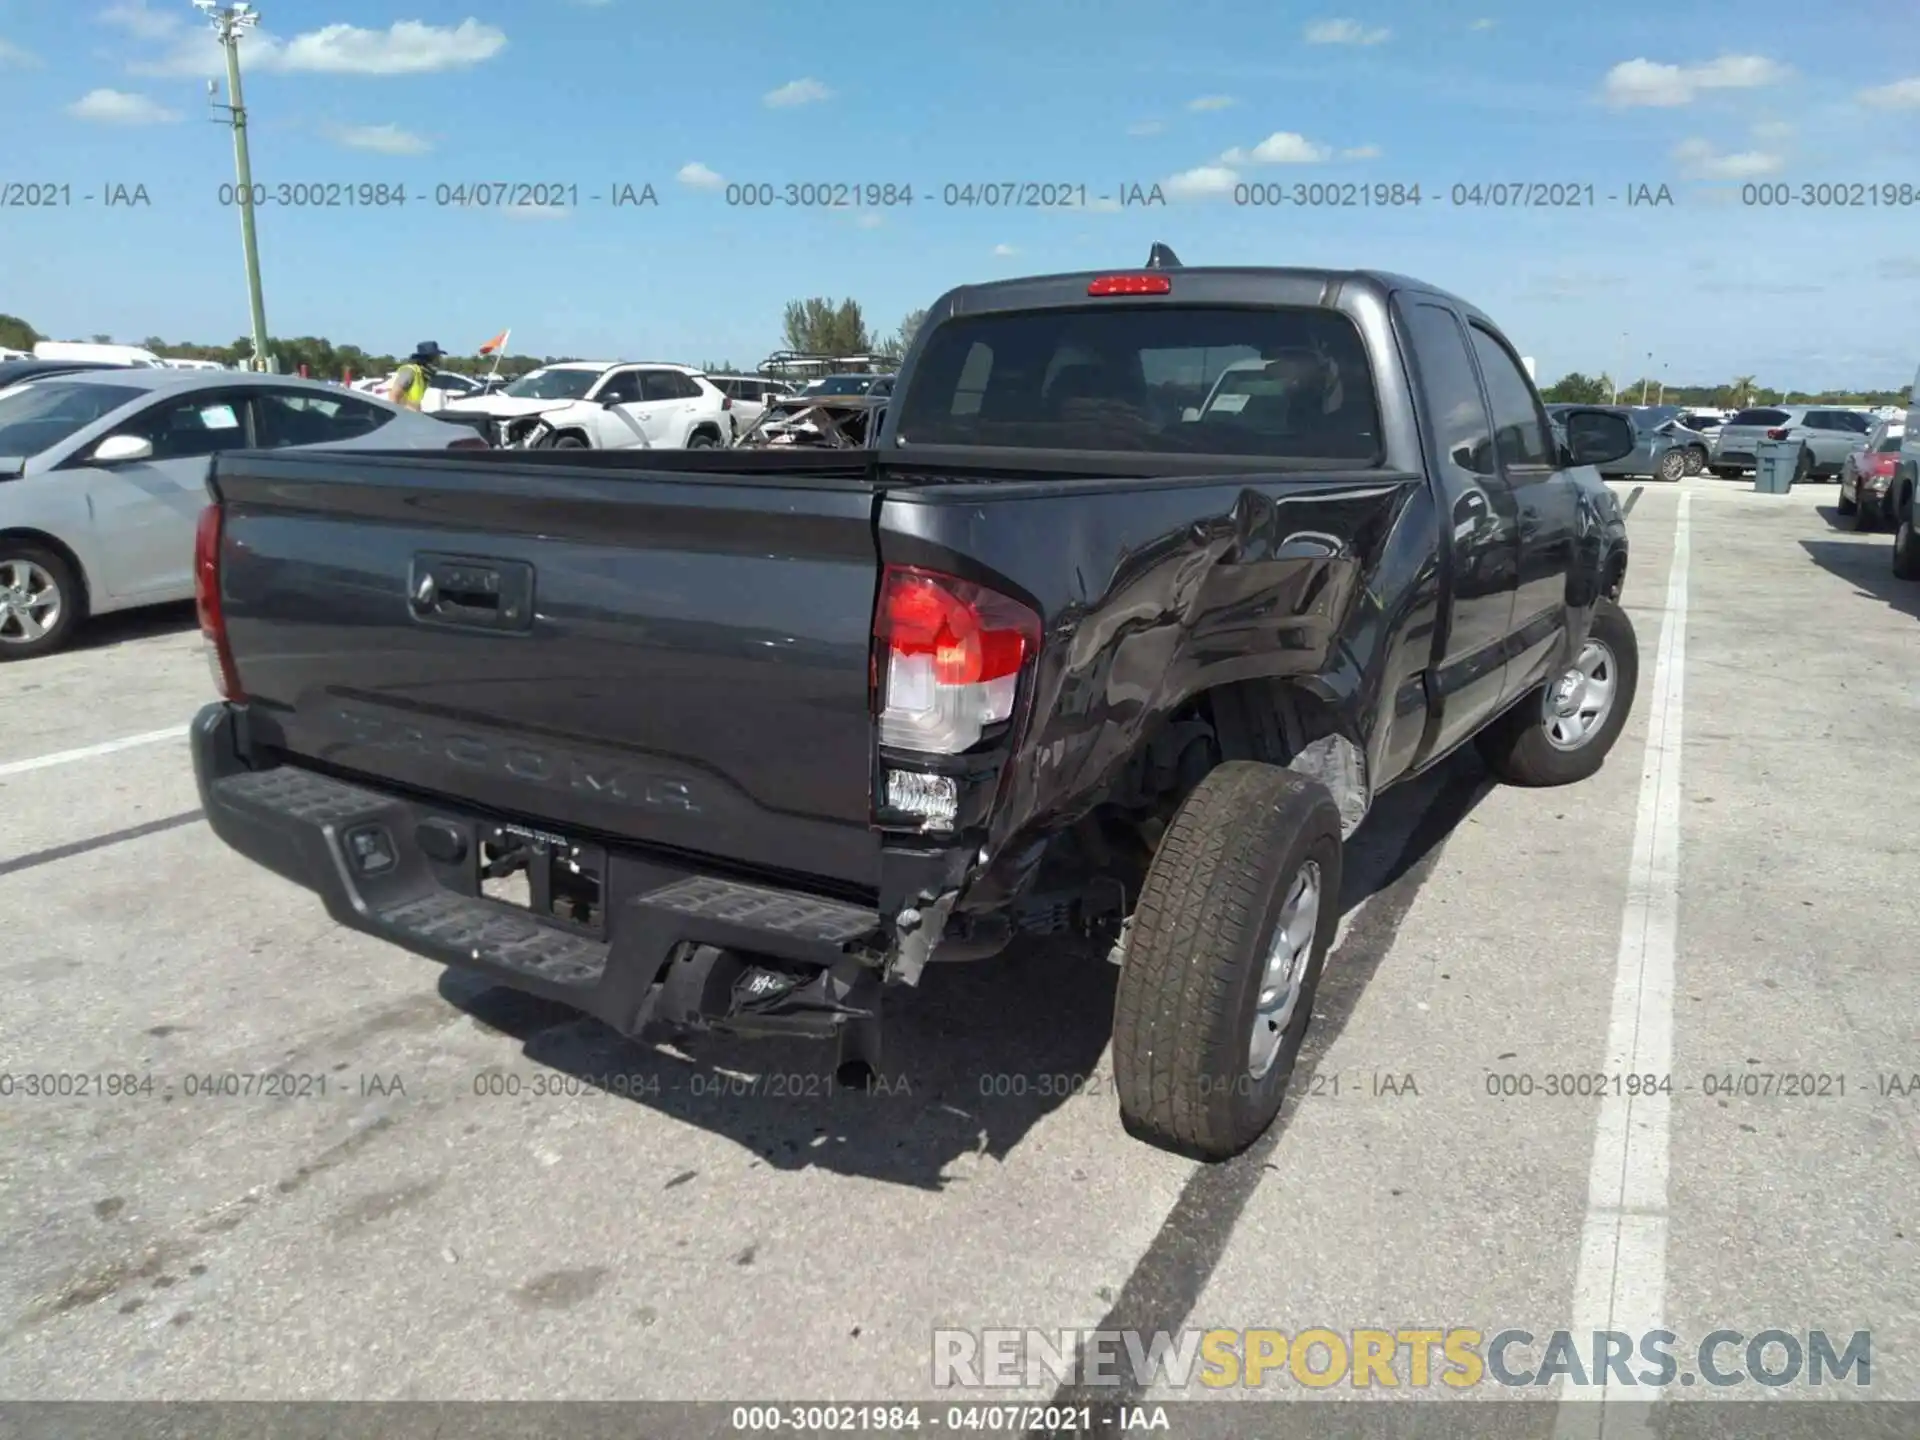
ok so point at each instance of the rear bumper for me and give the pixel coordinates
(679, 948)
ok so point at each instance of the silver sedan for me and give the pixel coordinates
(103, 476)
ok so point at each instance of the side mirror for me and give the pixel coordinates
(119, 449)
(1190, 414)
(1596, 437)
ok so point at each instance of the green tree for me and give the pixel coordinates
(1574, 388)
(17, 334)
(1740, 393)
(103, 339)
(825, 327)
(909, 328)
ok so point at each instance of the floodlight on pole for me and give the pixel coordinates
(228, 25)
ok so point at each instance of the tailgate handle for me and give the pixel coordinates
(472, 591)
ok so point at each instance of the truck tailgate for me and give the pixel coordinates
(679, 661)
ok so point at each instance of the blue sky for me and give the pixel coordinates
(1195, 97)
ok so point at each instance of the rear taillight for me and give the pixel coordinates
(1885, 464)
(1778, 434)
(947, 660)
(206, 595)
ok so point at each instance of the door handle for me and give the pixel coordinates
(471, 592)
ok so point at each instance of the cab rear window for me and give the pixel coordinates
(1759, 417)
(1290, 383)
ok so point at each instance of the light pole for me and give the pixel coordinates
(1646, 379)
(228, 25)
(1615, 398)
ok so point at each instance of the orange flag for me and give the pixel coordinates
(495, 343)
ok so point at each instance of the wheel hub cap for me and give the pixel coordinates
(1579, 702)
(29, 602)
(1289, 953)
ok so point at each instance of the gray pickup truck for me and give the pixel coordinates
(744, 740)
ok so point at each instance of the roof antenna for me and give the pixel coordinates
(1161, 257)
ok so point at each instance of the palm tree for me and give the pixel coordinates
(1742, 389)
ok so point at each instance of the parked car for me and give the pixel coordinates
(105, 476)
(912, 704)
(848, 385)
(443, 386)
(615, 405)
(1868, 473)
(750, 395)
(1656, 453)
(1828, 436)
(18, 372)
(1905, 487)
(137, 356)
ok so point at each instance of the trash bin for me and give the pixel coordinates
(1774, 464)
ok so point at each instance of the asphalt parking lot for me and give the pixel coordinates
(407, 1226)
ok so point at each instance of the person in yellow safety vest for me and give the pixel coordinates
(409, 384)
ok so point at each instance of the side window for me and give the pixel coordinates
(294, 417)
(184, 429)
(1519, 430)
(666, 385)
(621, 388)
(685, 386)
(1455, 412)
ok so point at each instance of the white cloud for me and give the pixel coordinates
(797, 92)
(1481, 25)
(408, 47)
(13, 55)
(1005, 250)
(699, 176)
(1283, 147)
(1146, 127)
(1647, 82)
(405, 48)
(1700, 161)
(117, 107)
(1900, 95)
(1212, 102)
(382, 139)
(1361, 152)
(134, 17)
(1204, 181)
(1345, 32)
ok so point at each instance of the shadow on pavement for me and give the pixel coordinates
(1868, 565)
(974, 1058)
(123, 626)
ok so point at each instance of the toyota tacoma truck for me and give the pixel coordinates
(743, 741)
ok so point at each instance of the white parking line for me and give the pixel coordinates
(88, 752)
(1621, 1283)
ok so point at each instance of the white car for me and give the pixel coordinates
(445, 387)
(616, 405)
(103, 475)
(750, 395)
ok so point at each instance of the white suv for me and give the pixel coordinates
(750, 395)
(616, 405)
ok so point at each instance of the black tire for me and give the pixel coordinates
(1846, 504)
(1188, 1000)
(1866, 516)
(702, 441)
(1803, 467)
(1696, 460)
(567, 442)
(1906, 544)
(1725, 472)
(1672, 466)
(1517, 747)
(71, 600)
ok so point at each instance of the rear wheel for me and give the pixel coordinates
(1846, 504)
(568, 442)
(702, 441)
(1696, 460)
(1803, 467)
(1563, 731)
(1223, 957)
(1866, 515)
(39, 600)
(1673, 465)
(1906, 545)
